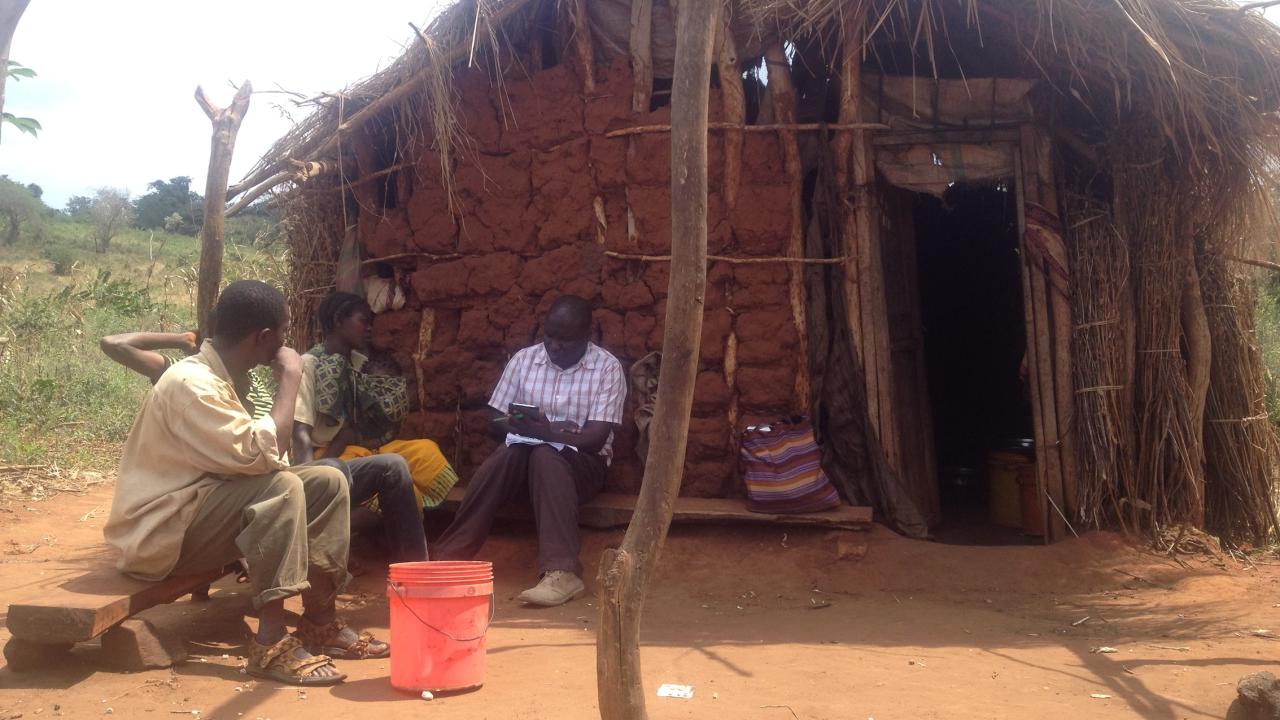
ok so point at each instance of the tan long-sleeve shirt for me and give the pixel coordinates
(191, 433)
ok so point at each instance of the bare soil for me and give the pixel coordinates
(764, 623)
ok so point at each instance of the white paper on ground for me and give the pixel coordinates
(676, 691)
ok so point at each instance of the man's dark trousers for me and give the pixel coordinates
(554, 482)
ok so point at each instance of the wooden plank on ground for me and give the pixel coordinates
(88, 605)
(610, 510)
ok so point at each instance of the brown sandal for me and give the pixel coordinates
(277, 662)
(320, 639)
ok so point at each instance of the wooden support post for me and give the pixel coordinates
(1031, 354)
(641, 55)
(733, 99)
(582, 43)
(864, 279)
(625, 573)
(851, 112)
(226, 123)
(1040, 351)
(783, 98)
(1061, 326)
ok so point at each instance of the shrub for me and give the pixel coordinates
(63, 259)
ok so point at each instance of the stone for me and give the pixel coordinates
(135, 645)
(25, 656)
(850, 546)
(1259, 697)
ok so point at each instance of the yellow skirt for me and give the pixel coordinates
(433, 476)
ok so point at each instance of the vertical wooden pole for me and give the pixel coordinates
(1031, 353)
(625, 573)
(1040, 365)
(1060, 325)
(783, 98)
(641, 55)
(226, 123)
(582, 43)
(845, 141)
(864, 273)
(733, 98)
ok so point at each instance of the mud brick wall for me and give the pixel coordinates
(528, 230)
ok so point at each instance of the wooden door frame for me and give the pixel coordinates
(1046, 315)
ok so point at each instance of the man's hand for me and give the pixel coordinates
(534, 427)
(287, 367)
(287, 364)
(566, 426)
(188, 345)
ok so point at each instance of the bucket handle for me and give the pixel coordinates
(493, 606)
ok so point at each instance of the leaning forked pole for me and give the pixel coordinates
(625, 573)
(226, 123)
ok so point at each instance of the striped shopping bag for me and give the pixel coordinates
(782, 468)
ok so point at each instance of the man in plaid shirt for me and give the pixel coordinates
(555, 455)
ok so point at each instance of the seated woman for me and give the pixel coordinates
(350, 409)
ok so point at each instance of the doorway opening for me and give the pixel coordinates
(971, 314)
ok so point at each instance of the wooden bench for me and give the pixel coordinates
(611, 510)
(85, 606)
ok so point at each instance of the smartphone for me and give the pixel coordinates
(522, 410)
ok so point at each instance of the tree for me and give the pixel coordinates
(10, 12)
(36, 190)
(18, 207)
(166, 198)
(78, 207)
(28, 125)
(111, 212)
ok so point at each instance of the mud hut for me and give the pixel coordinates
(933, 224)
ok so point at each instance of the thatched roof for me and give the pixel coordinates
(1203, 73)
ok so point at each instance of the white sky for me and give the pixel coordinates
(116, 80)
(116, 83)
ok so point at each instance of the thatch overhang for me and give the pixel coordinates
(1202, 75)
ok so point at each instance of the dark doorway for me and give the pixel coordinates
(971, 313)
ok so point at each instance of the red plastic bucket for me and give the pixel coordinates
(440, 613)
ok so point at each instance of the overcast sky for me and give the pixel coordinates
(116, 84)
(116, 80)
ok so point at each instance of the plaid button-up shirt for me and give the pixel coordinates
(593, 389)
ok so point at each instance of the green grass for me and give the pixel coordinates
(61, 400)
(1268, 332)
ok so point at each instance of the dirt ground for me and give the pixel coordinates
(764, 623)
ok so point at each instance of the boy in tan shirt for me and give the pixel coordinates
(202, 483)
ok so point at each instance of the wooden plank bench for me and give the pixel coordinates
(84, 607)
(611, 510)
